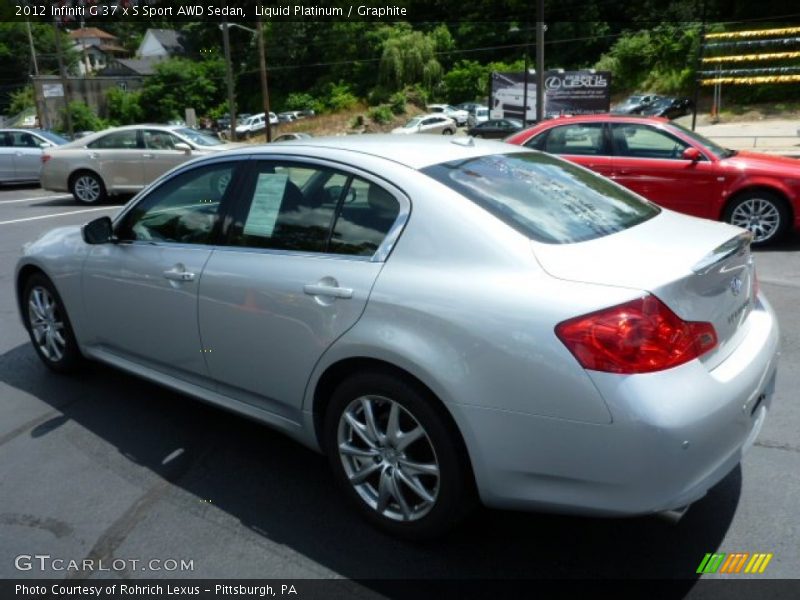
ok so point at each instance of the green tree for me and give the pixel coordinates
(410, 58)
(83, 117)
(178, 84)
(124, 107)
(21, 100)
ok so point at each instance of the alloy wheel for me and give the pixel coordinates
(388, 458)
(87, 188)
(761, 217)
(46, 324)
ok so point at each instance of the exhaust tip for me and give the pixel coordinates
(674, 515)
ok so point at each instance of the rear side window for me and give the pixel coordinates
(316, 209)
(543, 197)
(118, 140)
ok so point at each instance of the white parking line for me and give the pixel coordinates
(59, 197)
(64, 214)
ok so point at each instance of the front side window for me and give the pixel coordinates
(183, 209)
(643, 141)
(22, 139)
(155, 139)
(544, 198)
(315, 209)
(118, 140)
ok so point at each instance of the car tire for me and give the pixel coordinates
(87, 187)
(48, 325)
(409, 479)
(763, 213)
(448, 132)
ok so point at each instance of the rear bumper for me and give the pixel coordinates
(675, 434)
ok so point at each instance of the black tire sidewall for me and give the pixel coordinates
(72, 359)
(454, 498)
(779, 204)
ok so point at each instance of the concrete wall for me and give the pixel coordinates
(90, 90)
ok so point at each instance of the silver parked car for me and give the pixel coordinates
(122, 159)
(21, 153)
(432, 123)
(445, 319)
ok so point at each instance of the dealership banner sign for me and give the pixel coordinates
(566, 93)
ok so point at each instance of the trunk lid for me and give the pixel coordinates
(702, 270)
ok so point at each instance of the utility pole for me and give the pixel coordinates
(525, 76)
(697, 63)
(41, 113)
(539, 61)
(63, 75)
(264, 87)
(226, 42)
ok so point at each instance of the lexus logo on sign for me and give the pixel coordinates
(552, 83)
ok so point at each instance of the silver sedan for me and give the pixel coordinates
(122, 159)
(447, 320)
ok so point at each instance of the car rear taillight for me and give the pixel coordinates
(45, 158)
(640, 336)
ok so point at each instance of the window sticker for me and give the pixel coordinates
(266, 202)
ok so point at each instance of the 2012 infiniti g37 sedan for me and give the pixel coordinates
(447, 320)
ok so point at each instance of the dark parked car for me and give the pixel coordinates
(670, 108)
(495, 128)
(635, 104)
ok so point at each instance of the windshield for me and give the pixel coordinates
(712, 147)
(201, 139)
(52, 137)
(543, 197)
(413, 123)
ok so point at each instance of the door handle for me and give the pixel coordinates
(147, 155)
(317, 289)
(176, 275)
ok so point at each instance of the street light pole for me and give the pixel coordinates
(226, 42)
(539, 61)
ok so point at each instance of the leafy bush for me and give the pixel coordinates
(381, 115)
(83, 118)
(300, 101)
(124, 108)
(467, 80)
(397, 103)
(21, 100)
(417, 95)
(339, 97)
(378, 95)
(357, 121)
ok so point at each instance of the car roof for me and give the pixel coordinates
(621, 118)
(414, 151)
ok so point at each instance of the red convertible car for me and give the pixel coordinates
(679, 169)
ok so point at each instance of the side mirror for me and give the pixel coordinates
(187, 149)
(44, 145)
(99, 231)
(692, 154)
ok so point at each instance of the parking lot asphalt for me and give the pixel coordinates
(105, 466)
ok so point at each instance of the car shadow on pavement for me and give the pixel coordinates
(284, 492)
